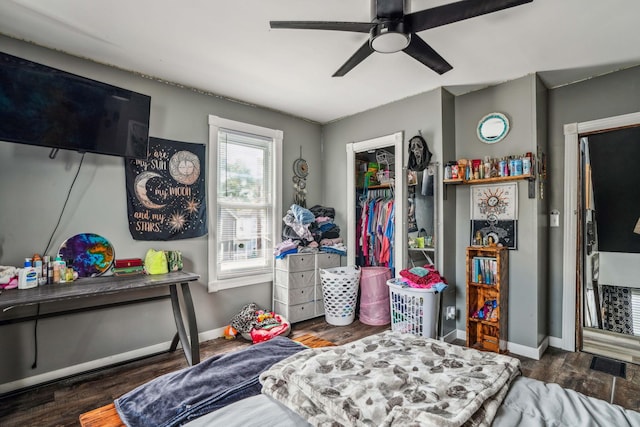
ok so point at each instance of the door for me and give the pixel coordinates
(610, 235)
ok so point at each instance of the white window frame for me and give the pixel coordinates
(215, 282)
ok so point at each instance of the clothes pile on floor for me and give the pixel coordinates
(257, 325)
(426, 277)
(310, 230)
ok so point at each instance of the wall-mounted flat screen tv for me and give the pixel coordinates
(41, 105)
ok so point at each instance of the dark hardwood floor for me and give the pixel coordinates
(61, 403)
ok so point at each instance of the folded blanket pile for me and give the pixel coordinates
(392, 379)
(177, 397)
(424, 277)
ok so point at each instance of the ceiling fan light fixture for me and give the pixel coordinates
(389, 38)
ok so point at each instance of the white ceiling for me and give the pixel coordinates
(227, 47)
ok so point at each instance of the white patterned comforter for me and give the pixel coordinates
(392, 379)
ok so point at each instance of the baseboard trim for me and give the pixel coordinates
(555, 342)
(519, 349)
(104, 362)
(530, 352)
(450, 337)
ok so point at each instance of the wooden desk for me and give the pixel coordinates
(99, 286)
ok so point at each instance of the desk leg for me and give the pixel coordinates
(190, 345)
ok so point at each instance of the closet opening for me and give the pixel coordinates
(376, 203)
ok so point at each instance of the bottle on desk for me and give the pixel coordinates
(69, 277)
(28, 276)
(47, 270)
(59, 270)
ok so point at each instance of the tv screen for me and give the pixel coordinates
(41, 105)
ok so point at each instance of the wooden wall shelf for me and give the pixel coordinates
(488, 180)
(530, 178)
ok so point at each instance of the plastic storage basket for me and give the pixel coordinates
(340, 292)
(413, 310)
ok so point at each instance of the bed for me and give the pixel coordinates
(383, 379)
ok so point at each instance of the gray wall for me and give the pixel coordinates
(516, 99)
(422, 113)
(541, 221)
(605, 96)
(34, 189)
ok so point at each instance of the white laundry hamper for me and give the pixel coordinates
(340, 294)
(413, 310)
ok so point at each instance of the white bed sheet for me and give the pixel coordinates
(529, 403)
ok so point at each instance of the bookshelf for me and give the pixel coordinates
(487, 284)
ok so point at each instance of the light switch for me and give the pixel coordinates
(554, 218)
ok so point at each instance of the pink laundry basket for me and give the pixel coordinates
(374, 296)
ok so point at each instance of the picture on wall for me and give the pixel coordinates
(494, 215)
(166, 198)
(502, 233)
(412, 224)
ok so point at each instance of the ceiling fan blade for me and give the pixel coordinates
(419, 50)
(360, 55)
(355, 27)
(454, 12)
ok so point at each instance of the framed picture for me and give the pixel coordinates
(412, 177)
(495, 202)
(502, 233)
(412, 224)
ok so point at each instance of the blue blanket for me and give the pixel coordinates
(178, 397)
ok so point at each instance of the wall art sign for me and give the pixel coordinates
(166, 198)
(494, 214)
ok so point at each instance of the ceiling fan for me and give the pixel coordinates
(391, 30)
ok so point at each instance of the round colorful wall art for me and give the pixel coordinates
(92, 254)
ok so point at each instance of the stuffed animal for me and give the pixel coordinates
(8, 277)
(230, 332)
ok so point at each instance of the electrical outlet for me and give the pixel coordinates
(450, 313)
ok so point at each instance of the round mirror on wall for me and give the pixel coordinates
(493, 128)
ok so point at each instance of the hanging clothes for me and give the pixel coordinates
(376, 229)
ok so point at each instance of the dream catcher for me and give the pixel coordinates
(300, 171)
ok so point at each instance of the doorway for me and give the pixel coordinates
(392, 144)
(610, 230)
(601, 239)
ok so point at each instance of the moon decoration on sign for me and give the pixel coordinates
(184, 167)
(140, 186)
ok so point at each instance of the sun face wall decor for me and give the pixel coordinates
(494, 215)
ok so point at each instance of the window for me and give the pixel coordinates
(244, 183)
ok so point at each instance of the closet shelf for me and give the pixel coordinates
(376, 187)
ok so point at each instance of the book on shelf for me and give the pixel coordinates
(484, 270)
